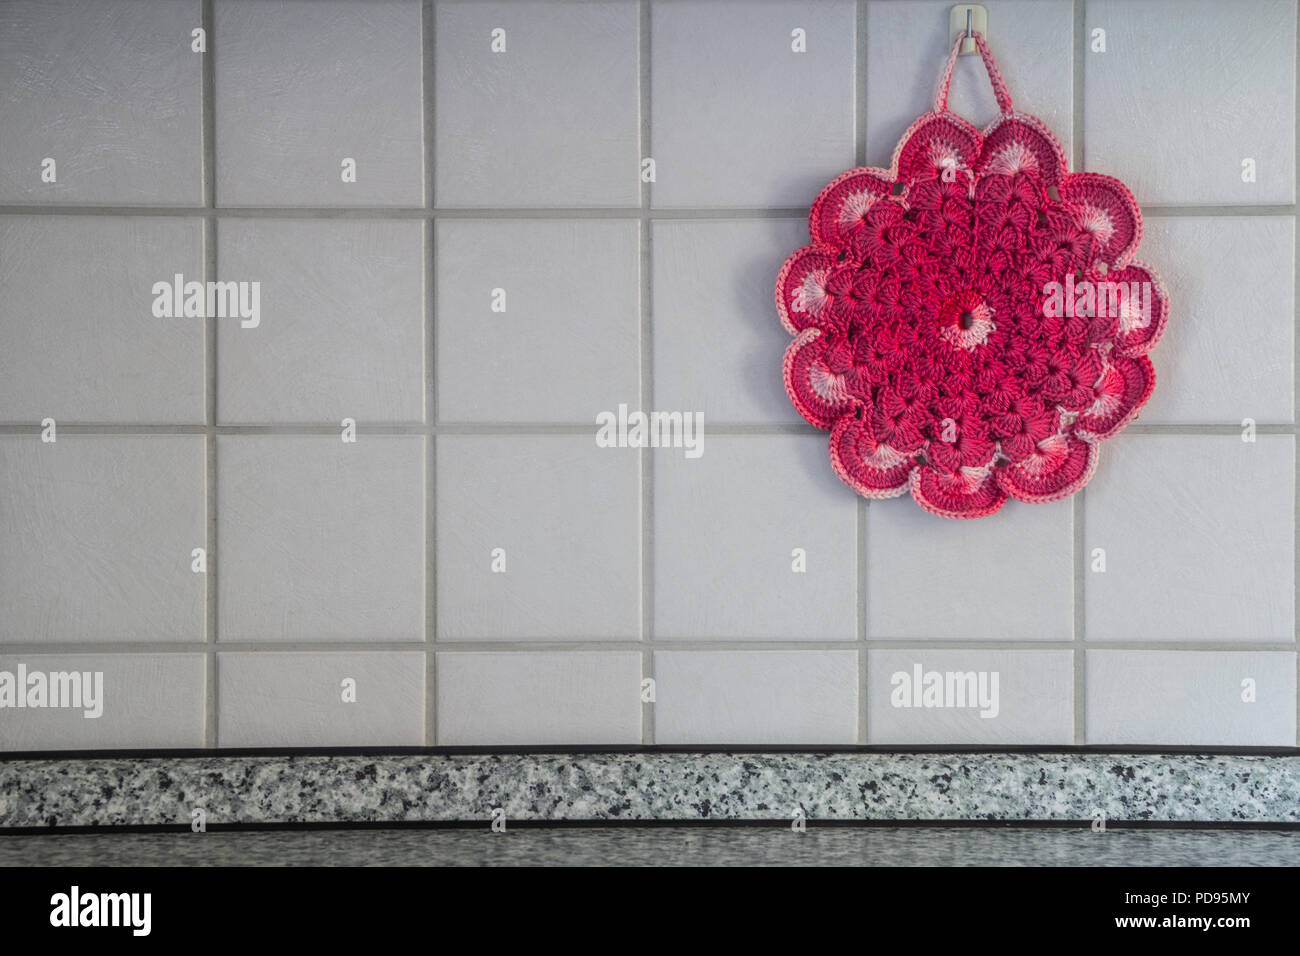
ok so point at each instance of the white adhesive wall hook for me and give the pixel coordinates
(965, 20)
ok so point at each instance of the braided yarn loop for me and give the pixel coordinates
(970, 324)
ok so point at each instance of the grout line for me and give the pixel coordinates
(410, 212)
(1077, 514)
(428, 18)
(1225, 211)
(860, 577)
(860, 88)
(208, 154)
(1295, 364)
(307, 429)
(725, 213)
(646, 371)
(630, 644)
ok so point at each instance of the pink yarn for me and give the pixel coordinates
(971, 324)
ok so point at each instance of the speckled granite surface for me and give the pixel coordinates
(663, 846)
(108, 791)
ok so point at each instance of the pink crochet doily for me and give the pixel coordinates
(971, 324)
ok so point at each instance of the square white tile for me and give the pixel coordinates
(538, 104)
(1192, 698)
(732, 531)
(79, 337)
(340, 325)
(1197, 536)
(518, 698)
(1188, 91)
(328, 699)
(999, 698)
(319, 539)
(756, 697)
(718, 341)
(319, 104)
(106, 702)
(738, 116)
(109, 90)
(537, 538)
(1228, 352)
(537, 321)
(96, 539)
(1006, 577)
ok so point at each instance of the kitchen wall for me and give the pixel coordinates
(445, 209)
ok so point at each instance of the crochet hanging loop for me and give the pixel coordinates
(995, 75)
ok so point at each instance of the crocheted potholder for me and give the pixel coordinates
(971, 324)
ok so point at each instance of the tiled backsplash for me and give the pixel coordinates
(474, 569)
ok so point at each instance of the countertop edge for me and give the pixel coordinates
(111, 791)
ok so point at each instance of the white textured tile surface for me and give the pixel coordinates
(341, 326)
(302, 86)
(551, 120)
(756, 697)
(109, 90)
(1192, 698)
(726, 525)
(1008, 577)
(524, 697)
(79, 341)
(1187, 90)
(1228, 352)
(1033, 703)
(740, 119)
(305, 700)
(320, 540)
(563, 514)
(907, 44)
(718, 344)
(566, 345)
(143, 700)
(1199, 539)
(95, 539)
(553, 557)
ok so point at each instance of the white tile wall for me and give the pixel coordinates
(107, 358)
(738, 118)
(755, 539)
(126, 701)
(721, 270)
(547, 697)
(768, 603)
(1176, 117)
(96, 538)
(298, 93)
(344, 336)
(1029, 701)
(525, 299)
(1196, 535)
(1204, 698)
(320, 540)
(326, 699)
(962, 580)
(108, 89)
(1231, 357)
(756, 697)
(549, 118)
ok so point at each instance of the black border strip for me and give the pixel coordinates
(658, 823)
(587, 750)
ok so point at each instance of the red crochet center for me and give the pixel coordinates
(971, 324)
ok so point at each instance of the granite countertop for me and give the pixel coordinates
(44, 792)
